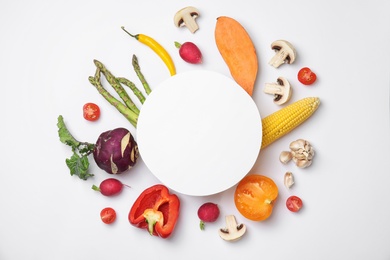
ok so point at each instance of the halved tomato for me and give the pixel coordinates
(306, 76)
(108, 215)
(91, 111)
(254, 197)
(294, 203)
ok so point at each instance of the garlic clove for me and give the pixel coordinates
(295, 160)
(295, 146)
(298, 145)
(288, 180)
(308, 163)
(300, 156)
(310, 156)
(303, 163)
(285, 157)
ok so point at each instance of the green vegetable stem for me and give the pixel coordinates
(141, 77)
(78, 163)
(132, 86)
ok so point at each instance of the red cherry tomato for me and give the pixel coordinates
(306, 76)
(91, 112)
(108, 215)
(294, 203)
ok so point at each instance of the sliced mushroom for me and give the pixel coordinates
(281, 90)
(187, 17)
(285, 53)
(233, 231)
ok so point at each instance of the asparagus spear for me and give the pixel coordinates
(124, 110)
(132, 86)
(141, 77)
(117, 86)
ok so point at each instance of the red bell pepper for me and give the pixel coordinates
(155, 210)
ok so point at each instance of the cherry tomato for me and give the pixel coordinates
(91, 112)
(294, 203)
(108, 215)
(306, 76)
(254, 197)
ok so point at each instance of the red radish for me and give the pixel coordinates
(189, 52)
(208, 212)
(109, 187)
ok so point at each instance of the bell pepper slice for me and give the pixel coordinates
(156, 210)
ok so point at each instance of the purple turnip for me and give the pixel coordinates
(208, 212)
(116, 151)
(110, 187)
(189, 52)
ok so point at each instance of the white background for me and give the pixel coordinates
(46, 54)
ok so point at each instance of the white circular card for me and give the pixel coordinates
(199, 133)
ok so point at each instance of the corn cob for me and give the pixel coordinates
(288, 118)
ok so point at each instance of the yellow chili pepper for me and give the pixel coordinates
(157, 48)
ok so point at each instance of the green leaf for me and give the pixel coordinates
(201, 225)
(86, 148)
(78, 163)
(79, 166)
(65, 136)
(178, 45)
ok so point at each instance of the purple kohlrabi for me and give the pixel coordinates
(116, 151)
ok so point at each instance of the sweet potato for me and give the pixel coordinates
(238, 51)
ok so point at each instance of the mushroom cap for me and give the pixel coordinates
(288, 47)
(186, 11)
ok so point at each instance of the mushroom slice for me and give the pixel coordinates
(281, 90)
(233, 231)
(187, 17)
(285, 53)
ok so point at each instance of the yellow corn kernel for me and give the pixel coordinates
(288, 118)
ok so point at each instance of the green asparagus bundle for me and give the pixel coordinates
(128, 107)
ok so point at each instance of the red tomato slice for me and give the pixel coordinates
(91, 112)
(306, 76)
(294, 203)
(108, 215)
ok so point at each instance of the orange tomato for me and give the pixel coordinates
(254, 197)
